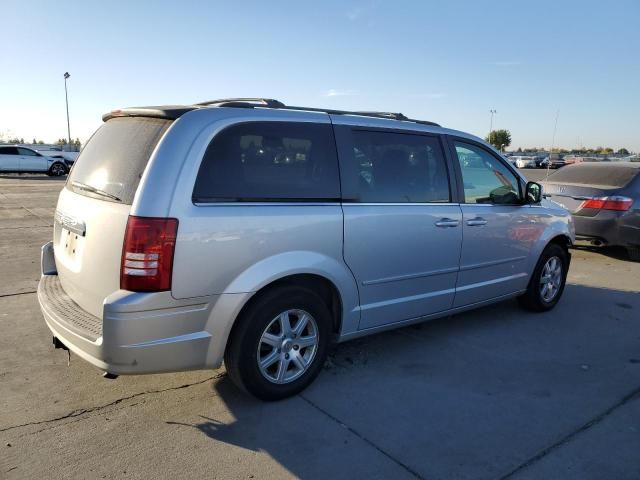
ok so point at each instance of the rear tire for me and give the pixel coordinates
(547, 282)
(57, 170)
(259, 342)
(634, 253)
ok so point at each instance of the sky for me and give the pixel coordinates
(446, 61)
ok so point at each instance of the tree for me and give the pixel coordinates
(499, 138)
(623, 151)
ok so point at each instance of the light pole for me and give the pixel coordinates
(66, 98)
(492, 112)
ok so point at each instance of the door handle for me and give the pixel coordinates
(476, 222)
(447, 222)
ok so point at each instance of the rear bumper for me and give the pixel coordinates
(609, 228)
(138, 334)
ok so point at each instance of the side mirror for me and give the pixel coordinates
(533, 193)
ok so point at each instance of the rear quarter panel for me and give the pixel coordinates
(238, 248)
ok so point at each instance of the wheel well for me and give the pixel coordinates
(318, 284)
(562, 240)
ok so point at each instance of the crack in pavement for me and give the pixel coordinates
(569, 437)
(363, 438)
(16, 294)
(82, 411)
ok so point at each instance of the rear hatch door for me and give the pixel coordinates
(94, 206)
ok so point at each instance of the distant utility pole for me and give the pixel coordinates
(492, 112)
(66, 98)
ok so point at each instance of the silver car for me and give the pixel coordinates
(258, 234)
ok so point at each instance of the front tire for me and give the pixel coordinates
(279, 344)
(548, 280)
(57, 170)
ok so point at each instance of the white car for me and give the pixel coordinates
(56, 151)
(18, 159)
(525, 162)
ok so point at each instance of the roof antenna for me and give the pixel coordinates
(553, 141)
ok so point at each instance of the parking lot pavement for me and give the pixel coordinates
(496, 393)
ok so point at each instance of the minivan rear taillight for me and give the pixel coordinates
(147, 254)
(617, 202)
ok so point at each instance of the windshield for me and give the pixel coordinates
(610, 175)
(111, 164)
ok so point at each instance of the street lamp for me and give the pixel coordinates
(66, 98)
(492, 112)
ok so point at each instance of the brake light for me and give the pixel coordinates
(617, 203)
(147, 254)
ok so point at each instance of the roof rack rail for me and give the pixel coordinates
(243, 102)
(272, 103)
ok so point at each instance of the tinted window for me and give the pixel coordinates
(383, 167)
(266, 161)
(115, 157)
(486, 179)
(8, 151)
(27, 152)
(611, 175)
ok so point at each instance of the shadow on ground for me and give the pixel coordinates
(617, 252)
(478, 395)
(28, 176)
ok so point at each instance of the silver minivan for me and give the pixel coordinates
(258, 234)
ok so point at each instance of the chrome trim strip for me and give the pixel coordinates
(410, 298)
(423, 318)
(409, 276)
(473, 266)
(491, 282)
(70, 223)
(266, 204)
(306, 204)
(189, 337)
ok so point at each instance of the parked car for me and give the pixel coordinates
(523, 161)
(543, 162)
(604, 199)
(56, 151)
(236, 230)
(16, 159)
(558, 162)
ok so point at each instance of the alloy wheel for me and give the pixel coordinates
(551, 279)
(288, 346)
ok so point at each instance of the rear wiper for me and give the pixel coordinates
(97, 191)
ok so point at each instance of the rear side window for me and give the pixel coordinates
(594, 174)
(112, 162)
(269, 161)
(388, 167)
(8, 151)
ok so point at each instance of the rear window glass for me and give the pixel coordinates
(270, 161)
(112, 162)
(610, 175)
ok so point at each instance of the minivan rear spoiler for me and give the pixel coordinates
(169, 112)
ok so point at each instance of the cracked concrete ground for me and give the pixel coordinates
(496, 393)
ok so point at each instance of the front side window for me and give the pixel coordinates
(270, 161)
(387, 167)
(485, 178)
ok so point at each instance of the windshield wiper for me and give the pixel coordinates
(97, 191)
